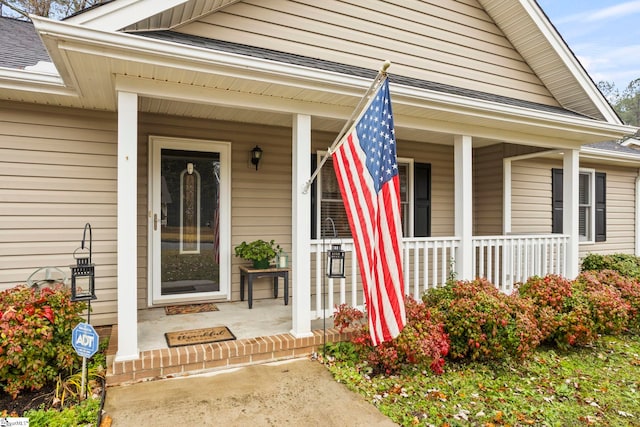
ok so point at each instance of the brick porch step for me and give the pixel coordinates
(193, 359)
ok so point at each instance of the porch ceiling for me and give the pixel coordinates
(192, 82)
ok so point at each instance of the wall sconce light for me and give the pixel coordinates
(256, 155)
(335, 262)
(190, 168)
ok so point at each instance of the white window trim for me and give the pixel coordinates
(404, 160)
(590, 238)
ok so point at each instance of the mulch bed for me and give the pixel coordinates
(26, 400)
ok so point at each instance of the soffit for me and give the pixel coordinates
(196, 82)
(184, 13)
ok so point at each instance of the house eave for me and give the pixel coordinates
(116, 15)
(31, 81)
(329, 94)
(610, 156)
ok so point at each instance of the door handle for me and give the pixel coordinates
(155, 222)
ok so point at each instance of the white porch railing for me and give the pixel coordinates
(507, 260)
(428, 262)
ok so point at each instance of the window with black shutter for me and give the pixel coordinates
(591, 205)
(328, 200)
(422, 200)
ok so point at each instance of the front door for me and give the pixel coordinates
(189, 220)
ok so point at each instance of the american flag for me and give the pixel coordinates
(367, 170)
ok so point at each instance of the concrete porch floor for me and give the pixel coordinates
(262, 335)
(267, 317)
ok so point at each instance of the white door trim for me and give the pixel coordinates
(156, 144)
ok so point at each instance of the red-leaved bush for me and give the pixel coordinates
(575, 312)
(609, 310)
(422, 342)
(629, 289)
(483, 323)
(35, 336)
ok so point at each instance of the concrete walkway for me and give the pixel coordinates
(301, 392)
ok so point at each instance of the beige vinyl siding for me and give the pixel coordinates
(58, 172)
(531, 196)
(487, 190)
(620, 211)
(442, 182)
(454, 43)
(531, 203)
(488, 185)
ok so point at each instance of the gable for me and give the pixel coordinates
(454, 43)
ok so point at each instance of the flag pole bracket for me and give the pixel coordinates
(381, 73)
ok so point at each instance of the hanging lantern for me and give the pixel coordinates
(335, 262)
(83, 273)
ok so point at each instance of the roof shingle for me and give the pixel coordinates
(20, 44)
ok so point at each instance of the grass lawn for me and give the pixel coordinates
(594, 386)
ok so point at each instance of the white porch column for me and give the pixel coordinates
(301, 227)
(570, 190)
(463, 205)
(127, 233)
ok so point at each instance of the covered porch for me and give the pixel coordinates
(265, 332)
(295, 110)
(428, 263)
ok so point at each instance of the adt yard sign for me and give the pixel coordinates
(85, 340)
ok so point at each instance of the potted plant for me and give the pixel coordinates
(260, 252)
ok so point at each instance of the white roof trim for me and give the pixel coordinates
(633, 140)
(598, 153)
(33, 81)
(61, 37)
(122, 13)
(566, 55)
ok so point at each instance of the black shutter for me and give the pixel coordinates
(422, 200)
(556, 200)
(601, 207)
(314, 201)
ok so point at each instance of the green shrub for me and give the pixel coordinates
(35, 336)
(84, 413)
(625, 264)
(422, 341)
(483, 323)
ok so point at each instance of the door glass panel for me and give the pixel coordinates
(189, 222)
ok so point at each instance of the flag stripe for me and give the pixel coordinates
(366, 168)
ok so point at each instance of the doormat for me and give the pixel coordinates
(190, 308)
(199, 336)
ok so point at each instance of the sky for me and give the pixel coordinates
(603, 34)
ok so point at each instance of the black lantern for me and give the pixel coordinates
(256, 155)
(335, 262)
(83, 273)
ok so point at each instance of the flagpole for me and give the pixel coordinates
(381, 74)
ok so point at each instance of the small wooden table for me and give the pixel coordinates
(251, 273)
